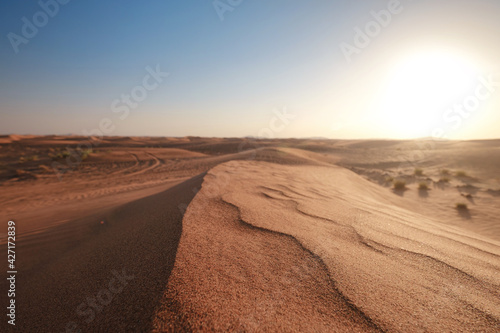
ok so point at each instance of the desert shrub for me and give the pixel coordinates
(445, 172)
(60, 155)
(461, 173)
(86, 153)
(423, 186)
(399, 185)
(461, 206)
(389, 179)
(419, 172)
(444, 180)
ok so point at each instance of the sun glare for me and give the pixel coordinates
(421, 88)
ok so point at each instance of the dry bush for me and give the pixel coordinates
(419, 172)
(399, 185)
(423, 186)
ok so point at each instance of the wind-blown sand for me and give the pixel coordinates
(284, 235)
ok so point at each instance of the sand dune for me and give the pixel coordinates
(284, 235)
(265, 246)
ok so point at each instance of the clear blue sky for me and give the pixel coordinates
(227, 78)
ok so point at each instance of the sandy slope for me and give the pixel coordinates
(93, 277)
(316, 248)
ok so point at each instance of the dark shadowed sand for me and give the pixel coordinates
(121, 265)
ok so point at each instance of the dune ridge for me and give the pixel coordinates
(395, 267)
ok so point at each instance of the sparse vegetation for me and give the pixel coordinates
(57, 155)
(445, 172)
(389, 179)
(461, 173)
(423, 186)
(419, 172)
(461, 206)
(86, 153)
(399, 185)
(444, 180)
(60, 155)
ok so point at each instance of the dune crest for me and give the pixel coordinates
(266, 245)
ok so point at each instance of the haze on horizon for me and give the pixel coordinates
(428, 69)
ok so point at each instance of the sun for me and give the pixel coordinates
(420, 88)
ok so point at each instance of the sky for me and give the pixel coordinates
(268, 68)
